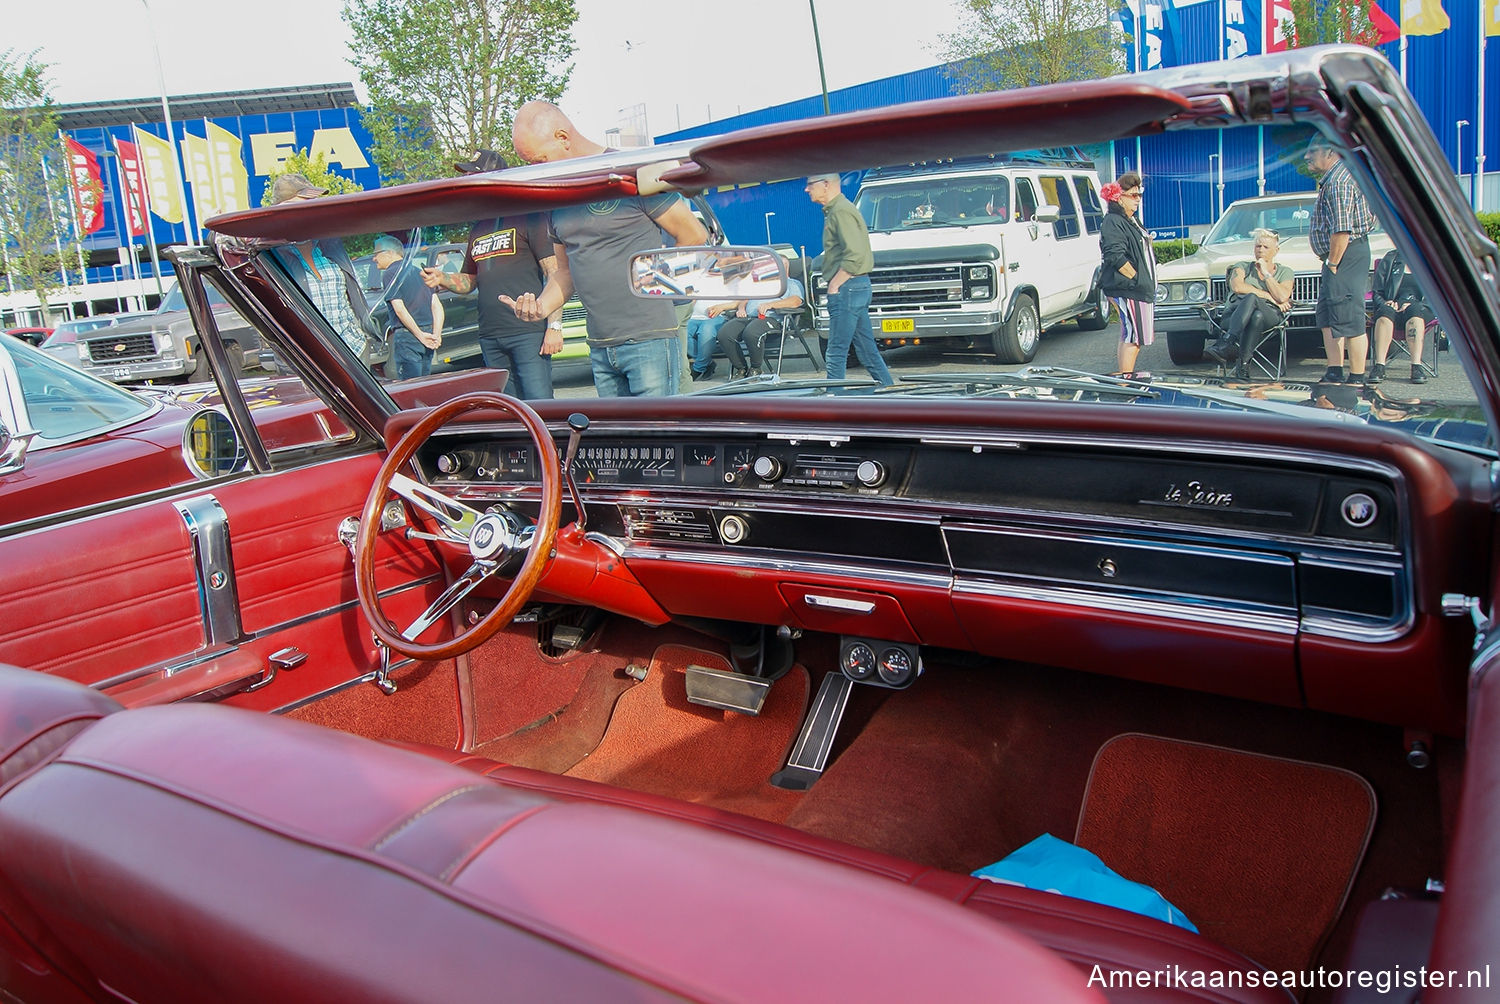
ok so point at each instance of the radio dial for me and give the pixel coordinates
(767, 468)
(733, 529)
(870, 473)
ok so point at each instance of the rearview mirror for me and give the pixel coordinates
(709, 273)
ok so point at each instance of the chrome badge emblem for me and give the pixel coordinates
(1359, 510)
(484, 535)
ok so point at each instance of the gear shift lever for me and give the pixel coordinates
(578, 424)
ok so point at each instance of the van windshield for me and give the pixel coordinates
(935, 201)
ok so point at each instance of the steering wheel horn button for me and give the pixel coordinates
(490, 537)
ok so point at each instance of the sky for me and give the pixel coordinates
(722, 60)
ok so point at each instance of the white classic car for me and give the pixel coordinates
(1185, 288)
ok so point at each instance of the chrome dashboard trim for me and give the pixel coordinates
(738, 560)
(1269, 623)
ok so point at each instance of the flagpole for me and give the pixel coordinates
(56, 232)
(188, 216)
(1479, 122)
(135, 264)
(83, 272)
(145, 196)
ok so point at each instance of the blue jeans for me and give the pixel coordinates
(521, 354)
(849, 324)
(703, 339)
(637, 369)
(411, 357)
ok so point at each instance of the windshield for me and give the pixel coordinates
(63, 403)
(935, 200)
(1032, 299)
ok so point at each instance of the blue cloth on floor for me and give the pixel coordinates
(1053, 865)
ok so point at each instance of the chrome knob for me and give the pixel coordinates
(733, 529)
(452, 463)
(767, 468)
(870, 473)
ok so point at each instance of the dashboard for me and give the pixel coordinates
(1000, 544)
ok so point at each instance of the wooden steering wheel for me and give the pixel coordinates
(493, 538)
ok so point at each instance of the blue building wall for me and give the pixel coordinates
(1181, 168)
(264, 138)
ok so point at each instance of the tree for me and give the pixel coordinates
(446, 76)
(36, 210)
(315, 170)
(1002, 44)
(1315, 22)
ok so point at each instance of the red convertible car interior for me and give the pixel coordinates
(1013, 683)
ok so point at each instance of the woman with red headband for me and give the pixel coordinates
(1128, 275)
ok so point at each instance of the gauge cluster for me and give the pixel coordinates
(879, 663)
(765, 466)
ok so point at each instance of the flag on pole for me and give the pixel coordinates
(88, 188)
(163, 180)
(1492, 17)
(1242, 31)
(1278, 13)
(199, 175)
(1423, 17)
(135, 186)
(231, 180)
(1386, 29)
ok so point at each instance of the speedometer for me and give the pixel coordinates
(628, 463)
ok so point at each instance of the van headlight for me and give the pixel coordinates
(1197, 291)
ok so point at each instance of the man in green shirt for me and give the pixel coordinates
(847, 261)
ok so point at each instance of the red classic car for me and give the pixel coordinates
(1002, 683)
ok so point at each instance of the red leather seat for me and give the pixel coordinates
(200, 852)
(1086, 934)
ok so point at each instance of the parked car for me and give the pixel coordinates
(163, 345)
(990, 250)
(67, 438)
(730, 695)
(63, 342)
(1185, 287)
(31, 335)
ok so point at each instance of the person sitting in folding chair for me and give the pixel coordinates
(1260, 296)
(1398, 300)
(753, 325)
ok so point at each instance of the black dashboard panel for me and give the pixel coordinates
(1275, 539)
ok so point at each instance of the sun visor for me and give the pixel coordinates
(424, 204)
(971, 125)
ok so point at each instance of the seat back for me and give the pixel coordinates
(203, 852)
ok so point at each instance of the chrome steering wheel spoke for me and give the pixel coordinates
(456, 519)
(451, 597)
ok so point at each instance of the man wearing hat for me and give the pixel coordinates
(847, 261)
(508, 256)
(1339, 234)
(323, 269)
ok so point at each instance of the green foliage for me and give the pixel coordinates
(1315, 22)
(315, 170)
(36, 205)
(1001, 44)
(445, 77)
(1491, 224)
(1172, 250)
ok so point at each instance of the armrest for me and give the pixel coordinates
(220, 677)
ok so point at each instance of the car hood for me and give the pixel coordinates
(1214, 260)
(946, 235)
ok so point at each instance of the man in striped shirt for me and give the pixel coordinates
(1339, 234)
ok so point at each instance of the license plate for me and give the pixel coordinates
(120, 372)
(903, 325)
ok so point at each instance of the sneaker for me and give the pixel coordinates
(1418, 374)
(1334, 374)
(738, 373)
(1377, 373)
(1358, 379)
(705, 374)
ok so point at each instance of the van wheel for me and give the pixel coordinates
(1098, 317)
(1185, 347)
(1016, 340)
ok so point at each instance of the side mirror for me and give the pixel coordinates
(1047, 214)
(210, 445)
(709, 273)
